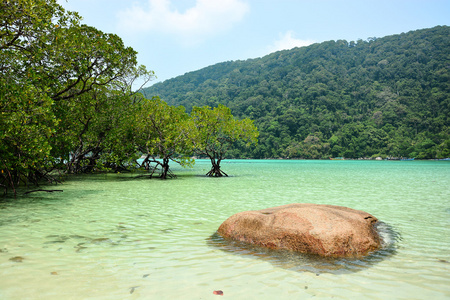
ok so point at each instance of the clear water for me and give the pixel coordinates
(119, 237)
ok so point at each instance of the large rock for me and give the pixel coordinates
(326, 230)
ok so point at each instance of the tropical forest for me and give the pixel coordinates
(382, 97)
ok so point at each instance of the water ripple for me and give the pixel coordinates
(116, 236)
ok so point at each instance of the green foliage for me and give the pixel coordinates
(95, 131)
(217, 131)
(65, 94)
(162, 132)
(67, 102)
(26, 124)
(27, 119)
(387, 96)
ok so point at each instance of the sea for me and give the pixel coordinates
(126, 236)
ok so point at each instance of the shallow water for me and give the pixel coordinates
(119, 237)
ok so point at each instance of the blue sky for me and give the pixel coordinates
(174, 37)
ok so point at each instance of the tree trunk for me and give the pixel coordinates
(165, 168)
(215, 169)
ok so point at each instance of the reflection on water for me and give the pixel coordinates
(117, 236)
(311, 263)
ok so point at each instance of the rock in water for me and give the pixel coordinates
(326, 230)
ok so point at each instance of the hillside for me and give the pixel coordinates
(385, 96)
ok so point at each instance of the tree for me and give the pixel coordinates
(96, 127)
(26, 124)
(27, 120)
(162, 134)
(95, 132)
(82, 58)
(217, 131)
(65, 92)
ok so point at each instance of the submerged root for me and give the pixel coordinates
(216, 172)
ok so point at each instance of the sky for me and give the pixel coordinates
(173, 37)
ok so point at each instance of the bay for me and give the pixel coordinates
(116, 236)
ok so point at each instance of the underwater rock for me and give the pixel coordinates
(133, 288)
(101, 241)
(17, 259)
(325, 230)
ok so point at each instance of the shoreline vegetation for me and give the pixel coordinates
(69, 103)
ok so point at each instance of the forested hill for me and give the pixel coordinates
(385, 96)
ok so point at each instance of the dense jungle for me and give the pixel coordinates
(386, 97)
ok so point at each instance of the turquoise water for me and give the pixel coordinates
(119, 237)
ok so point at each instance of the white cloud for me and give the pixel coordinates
(205, 18)
(287, 41)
